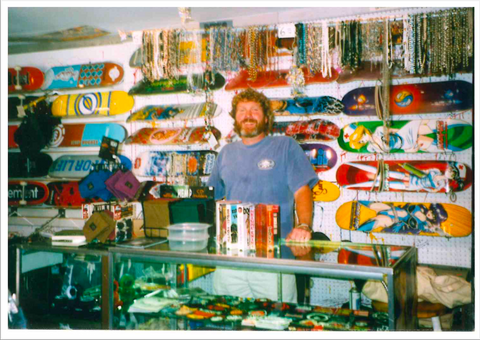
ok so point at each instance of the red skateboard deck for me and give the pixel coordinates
(169, 136)
(311, 130)
(407, 176)
(26, 193)
(24, 79)
(269, 79)
(65, 194)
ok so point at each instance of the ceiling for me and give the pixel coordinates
(25, 21)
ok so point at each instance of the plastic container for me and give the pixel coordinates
(188, 230)
(188, 243)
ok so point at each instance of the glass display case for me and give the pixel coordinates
(152, 294)
(62, 286)
(135, 288)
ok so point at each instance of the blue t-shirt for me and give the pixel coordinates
(269, 172)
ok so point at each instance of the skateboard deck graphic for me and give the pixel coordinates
(24, 79)
(174, 163)
(306, 106)
(447, 96)
(407, 176)
(325, 191)
(268, 79)
(85, 135)
(409, 136)
(424, 219)
(169, 86)
(175, 112)
(81, 76)
(21, 166)
(93, 104)
(322, 157)
(65, 194)
(169, 136)
(306, 131)
(26, 193)
(79, 166)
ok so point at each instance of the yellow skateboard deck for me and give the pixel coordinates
(325, 191)
(92, 104)
(424, 219)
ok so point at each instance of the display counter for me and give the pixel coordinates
(129, 275)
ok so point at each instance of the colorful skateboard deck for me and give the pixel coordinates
(82, 76)
(409, 136)
(268, 79)
(24, 79)
(78, 135)
(71, 34)
(26, 193)
(174, 163)
(306, 106)
(169, 86)
(322, 157)
(423, 219)
(175, 112)
(92, 104)
(79, 166)
(20, 166)
(408, 176)
(440, 97)
(65, 194)
(169, 136)
(306, 131)
(325, 191)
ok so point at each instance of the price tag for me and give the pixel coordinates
(286, 31)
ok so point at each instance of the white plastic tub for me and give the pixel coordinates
(188, 230)
(187, 243)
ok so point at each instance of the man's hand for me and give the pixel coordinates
(299, 235)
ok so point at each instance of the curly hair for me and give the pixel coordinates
(258, 97)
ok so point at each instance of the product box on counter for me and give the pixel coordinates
(122, 214)
(183, 191)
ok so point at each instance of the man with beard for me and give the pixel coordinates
(263, 169)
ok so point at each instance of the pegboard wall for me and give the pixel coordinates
(431, 250)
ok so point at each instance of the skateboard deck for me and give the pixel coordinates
(423, 219)
(309, 130)
(406, 176)
(13, 102)
(20, 166)
(440, 97)
(322, 157)
(169, 86)
(82, 76)
(79, 166)
(92, 104)
(174, 112)
(268, 79)
(65, 194)
(170, 136)
(325, 191)
(24, 79)
(71, 34)
(26, 193)
(77, 135)
(306, 106)
(174, 163)
(407, 136)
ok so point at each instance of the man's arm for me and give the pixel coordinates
(304, 207)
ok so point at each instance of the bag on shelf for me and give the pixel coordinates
(99, 226)
(123, 185)
(93, 185)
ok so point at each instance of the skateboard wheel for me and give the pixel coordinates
(18, 87)
(17, 68)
